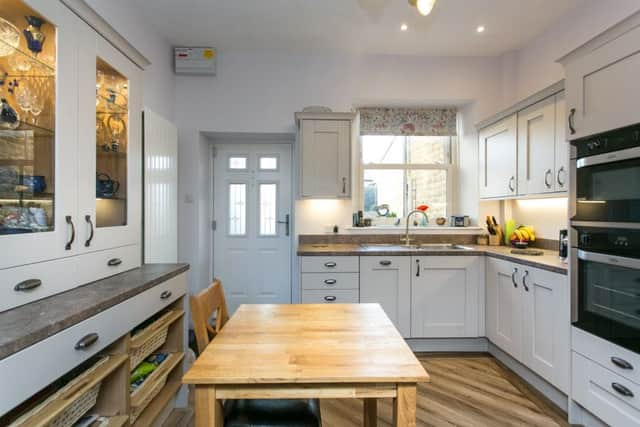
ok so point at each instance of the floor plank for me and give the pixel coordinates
(472, 391)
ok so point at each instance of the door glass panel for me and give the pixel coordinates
(237, 163)
(27, 119)
(268, 200)
(268, 163)
(112, 116)
(237, 209)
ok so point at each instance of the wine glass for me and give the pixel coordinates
(23, 97)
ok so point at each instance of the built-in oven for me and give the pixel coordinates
(607, 177)
(606, 271)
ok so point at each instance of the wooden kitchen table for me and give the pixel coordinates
(305, 351)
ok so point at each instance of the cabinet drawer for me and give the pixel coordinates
(614, 399)
(101, 264)
(323, 264)
(609, 355)
(47, 360)
(330, 281)
(330, 297)
(28, 283)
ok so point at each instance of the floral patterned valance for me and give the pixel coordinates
(408, 121)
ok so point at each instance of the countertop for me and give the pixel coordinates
(23, 326)
(548, 261)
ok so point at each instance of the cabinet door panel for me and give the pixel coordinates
(561, 178)
(387, 281)
(504, 317)
(598, 87)
(445, 297)
(498, 159)
(536, 148)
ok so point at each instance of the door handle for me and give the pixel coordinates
(87, 218)
(27, 285)
(524, 280)
(546, 178)
(511, 186)
(286, 224)
(73, 232)
(561, 171)
(513, 277)
(344, 185)
(572, 114)
(87, 341)
(417, 268)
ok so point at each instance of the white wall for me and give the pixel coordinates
(159, 81)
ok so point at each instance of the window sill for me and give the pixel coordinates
(432, 229)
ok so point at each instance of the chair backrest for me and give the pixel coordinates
(203, 305)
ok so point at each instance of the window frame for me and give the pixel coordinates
(449, 167)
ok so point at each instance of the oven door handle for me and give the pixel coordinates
(609, 259)
(615, 156)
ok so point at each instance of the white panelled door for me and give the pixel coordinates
(252, 211)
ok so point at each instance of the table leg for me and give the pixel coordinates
(404, 406)
(370, 412)
(208, 409)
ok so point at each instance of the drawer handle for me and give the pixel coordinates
(524, 280)
(330, 264)
(385, 263)
(330, 281)
(329, 298)
(87, 341)
(113, 262)
(621, 363)
(513, 277)
(27, 285)
(165, 295)
(622, 389)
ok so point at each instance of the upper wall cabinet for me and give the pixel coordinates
(324, 146)
(601, 81)
(498, 159)
(523, 151)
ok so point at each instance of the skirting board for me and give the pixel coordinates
(449, 345)
(580, 416)
(550, 392)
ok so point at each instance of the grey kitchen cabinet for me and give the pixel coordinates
(329, 279)
(528, 317)
(387, 280)
(498, 158)
(446, 296)
(324, 148)
(599, 76)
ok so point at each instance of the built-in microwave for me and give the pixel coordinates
(607, 176)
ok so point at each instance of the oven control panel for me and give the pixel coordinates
(619, 139)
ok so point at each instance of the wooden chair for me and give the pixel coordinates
(246, 412)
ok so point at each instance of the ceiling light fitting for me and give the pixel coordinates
(424, 6)
(480, 29)
(404, 27)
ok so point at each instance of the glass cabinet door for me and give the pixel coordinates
(36, 155)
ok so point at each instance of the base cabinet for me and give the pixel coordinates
(528, 317)
(445, 296)
(387, 281)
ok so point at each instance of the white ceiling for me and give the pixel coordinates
(366, 26)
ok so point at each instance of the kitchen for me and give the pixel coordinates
(471, 169)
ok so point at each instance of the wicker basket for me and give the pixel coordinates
(154, 336)
(80, 405)
(153, 392)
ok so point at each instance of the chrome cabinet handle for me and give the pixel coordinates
(27, 285)
(417, 268)
(513, 277)
(385, 262)
(330, 264)
(329, 298)
(87, 218)
(561, 171)
(572, 114)
(546, 178)
(114, 262)
(330, 281)
(524, 280)
(621, 363)
(165, 295)
(622, 389)
(73, 232)
(87, 341)
(511, 187)
(344, 185)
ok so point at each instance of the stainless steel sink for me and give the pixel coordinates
(418, 247)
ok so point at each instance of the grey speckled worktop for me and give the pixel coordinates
(548, 261)
(26, 325)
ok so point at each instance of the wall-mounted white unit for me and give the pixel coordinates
(195, 60)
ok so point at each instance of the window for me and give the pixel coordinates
(268, 197)
(400, 173)
(237, 163)
(237, 209)
(268, 163)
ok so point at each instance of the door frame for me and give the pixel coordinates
(221, 138)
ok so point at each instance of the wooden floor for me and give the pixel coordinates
(464, 391)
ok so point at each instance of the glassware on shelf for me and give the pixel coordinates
(9, 118)
(23, 98)
(34, 35)
(9, 37)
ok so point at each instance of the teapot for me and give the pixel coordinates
(106, 187)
